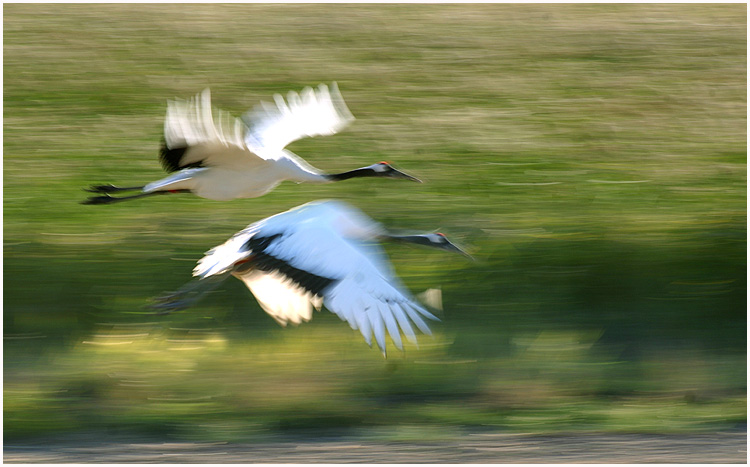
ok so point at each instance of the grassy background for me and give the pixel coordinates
(591, 157)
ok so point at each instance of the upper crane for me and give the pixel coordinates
(219, 157)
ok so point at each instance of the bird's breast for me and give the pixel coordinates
(223, 185)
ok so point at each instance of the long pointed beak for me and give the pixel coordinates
(398, 174)
(456, 249)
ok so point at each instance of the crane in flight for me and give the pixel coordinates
(320, 253)
(216, 156)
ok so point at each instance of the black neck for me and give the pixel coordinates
(363, 172)
(418, 239)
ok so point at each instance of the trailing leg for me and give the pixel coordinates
(109, 188)
(187, 295)
(107, 199)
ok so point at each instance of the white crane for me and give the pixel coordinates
(219, 157)
(320, 253)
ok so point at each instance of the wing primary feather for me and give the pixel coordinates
(363, 322)
(308, 96)
(280, 104)
(313, 112)
(294, 100)
(423, 311)
(351, 315)
(378, 329)
(338, 102)
(416, 318)
(340, 302)
(403, 322)
(390, 324)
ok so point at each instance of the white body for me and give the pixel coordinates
(333, 240)
(246, 158)
(224, 183)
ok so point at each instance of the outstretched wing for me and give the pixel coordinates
(294, 269)
(311, 113)
(195, 135)
(375, 305)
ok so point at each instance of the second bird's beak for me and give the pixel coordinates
(456, 249)
(398, 174)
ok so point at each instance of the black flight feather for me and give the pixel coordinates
(265, 262)
(171, 158)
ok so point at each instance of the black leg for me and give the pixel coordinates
(109, 188)
(107, 199)
(186, 296)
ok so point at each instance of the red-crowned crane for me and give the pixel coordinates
(219, 157)
(320, 253)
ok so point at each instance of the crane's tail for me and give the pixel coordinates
(187, 295)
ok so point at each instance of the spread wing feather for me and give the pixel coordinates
(363, 293)
(195, 135)
(318, 112)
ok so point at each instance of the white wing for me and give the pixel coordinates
(370, 303)
(289, 271)
(312, 113)
(207, 135)
(280, 297)
(340, 217)
(361, 291)
(224, 257)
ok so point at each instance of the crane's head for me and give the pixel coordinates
(384, 169)
(435, 240)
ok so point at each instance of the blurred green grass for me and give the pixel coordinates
(592, 158)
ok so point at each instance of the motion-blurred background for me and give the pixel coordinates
(591, 157)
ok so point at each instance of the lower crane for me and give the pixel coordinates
(323, 253)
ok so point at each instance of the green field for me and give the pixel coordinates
(591, 157)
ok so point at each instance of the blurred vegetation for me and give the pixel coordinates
(591, 157)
